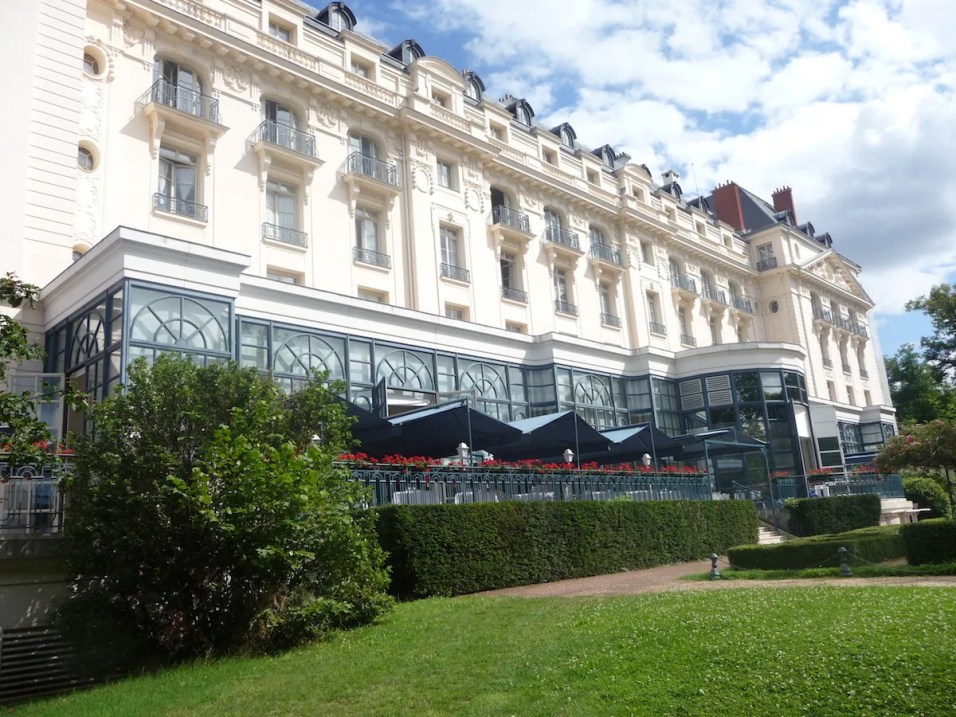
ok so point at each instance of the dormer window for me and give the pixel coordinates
(523, 115)
(567, 138)
(337, 16)
(407, 52)
(474, 87)
(607, 156)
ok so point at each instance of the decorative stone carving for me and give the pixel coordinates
(324, 114)
(92, 112)
(235, 79)
(422, 177)
(132, 35)
(84, 218)
(474, 197)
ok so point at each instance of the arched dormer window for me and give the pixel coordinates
(607, 156)
(520, 109)
(474, 87)
(566, 134)
(337, 16)
(407, 52)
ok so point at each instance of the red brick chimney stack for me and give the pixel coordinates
(727, 207)
(783, 200)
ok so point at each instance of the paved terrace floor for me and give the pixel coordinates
(668, 577)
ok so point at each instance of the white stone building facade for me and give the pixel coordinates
(255, 180)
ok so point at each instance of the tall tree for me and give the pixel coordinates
(940, 348)
(917, 392)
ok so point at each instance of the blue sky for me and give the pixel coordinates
(849, 102)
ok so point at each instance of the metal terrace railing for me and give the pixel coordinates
(607, 253)
(287, 136)
(565, 307)
(561, 236)
(682, 281)
(611, 320)
(508, 216)
(368, 256)
(184, 99)
(512, 294)
(767, 263)
(182, 207)
(712, 293)
(450, 271)
(358, 163)
(286, 235)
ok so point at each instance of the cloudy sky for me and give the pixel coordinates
(849, 102)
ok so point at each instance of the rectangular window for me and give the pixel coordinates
(378, 297)
(497, 132)
(178, 182)
(361, 69)
(592, 176)
(449, 246)
(561, 286)
(653, 310)
(714, 332)
(459, 313)
(549, 156)
(286, 277)
(366, 230)
(515, 328)
(607, 300)
(831, 391)
(282, 205)
(764, 251)
(280, 32)
(509, 275)
(440, 98)
(647, 253)
(682, 320)
(446, 175)
(850, 396)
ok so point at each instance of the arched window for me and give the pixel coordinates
(404, 369)
(281, 124)
(300, 354)
(523, 115)
(183, 322)
(567, 137)
(597, 236)
(90, 64)
(486, 381)
(88, 337)
(607, 156)
(407, 52)
(340, 17)
(178, 86)
(474, 87)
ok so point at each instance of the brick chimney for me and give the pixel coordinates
(783, 201)
(726, 205)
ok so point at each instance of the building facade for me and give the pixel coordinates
(259, 181)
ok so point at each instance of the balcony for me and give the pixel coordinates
(511, 294)
(561, 237)
(285, 235)
(827, 363)
(455, 273)
(864, 373)
(657, 329)
(846, 369)
(367, 175)
(688, 340)
(742, 303)
(767, 263)
(713, 294)
(821, 314)
(285, 137)
(611, 320)
(606, 253)
(182, 109)
(512, 219)
(565, 307)
(860, 330)
(180, 207)
(373, 258)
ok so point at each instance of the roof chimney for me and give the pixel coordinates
(783, 201)
(726, 205)
(670, 176)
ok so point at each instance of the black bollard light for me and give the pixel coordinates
(714, 573)
(845, 570)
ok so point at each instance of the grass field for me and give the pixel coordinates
(859, 571)
(764, 651)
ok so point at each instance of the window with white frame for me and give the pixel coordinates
(366, 230)
(280, 31)
(654, 313)
(850, 396)
(597, 236)
(459, 313)
(377, 297)
(647, 253)
(516, 328)
(562, 288)
(90, 64)
(449, 246)
(510, 278)
(685, 325)
(440, 98)
(496, 131)
(715, 337)
(178, 86)
(281, 124)
(549, 156)
(608, 308)
(178, 188)
(282, 207)
(361, 69)
(286, 277)
(84, 159)
(446, 175)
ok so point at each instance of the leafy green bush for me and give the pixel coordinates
(823, 516)
(927, 493)
(203, 519)
(865, 545)
(453, 550)
(930, 541)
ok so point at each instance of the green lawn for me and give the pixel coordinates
(748, 653)
(859, 571)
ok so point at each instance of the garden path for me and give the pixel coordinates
(669, 577)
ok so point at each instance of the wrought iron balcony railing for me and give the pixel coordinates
(287, 136)
(514, 294)
(358, 163)
(611, 320)
(657, 328)
(847, 369)
(607, 253)
(182, 207)
(450, 271)
(688, 340)
(822, 314)
(368, 256)
(682, 281)
(827, 363)
(561, 236)
(743, 303)
(511, 218)
(860, 330)
(864, 373)
(184, 99)
(712, 293)
(286, 235)
(565, 307)
(769, 262)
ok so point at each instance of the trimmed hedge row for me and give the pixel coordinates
(872, 545)
(459, 549)
(824, 516)
(930, 541)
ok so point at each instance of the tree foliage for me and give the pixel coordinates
(925, 446)
(25, 433)
(940, 348)
(205, 517)
(916, 389)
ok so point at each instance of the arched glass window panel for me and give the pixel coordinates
(187, 323)
(299, 354)
(405, 369)
(89, 332)
(566, 137)
(592, 390)
(597, 236)
(608, 156)
(472, 90)
(523, 115)
(486, 381)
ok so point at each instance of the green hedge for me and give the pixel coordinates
(825, 516)
(926, 493)
(930, 541)
(458, 549)
(873, 545)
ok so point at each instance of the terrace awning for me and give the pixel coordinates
(630, 443)
(548, 436)
(438, 430)
(719, 442)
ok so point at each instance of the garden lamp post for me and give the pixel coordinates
(646, 460)
(462, 451)
(568, 456)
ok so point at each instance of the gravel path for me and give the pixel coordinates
(668, 577)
